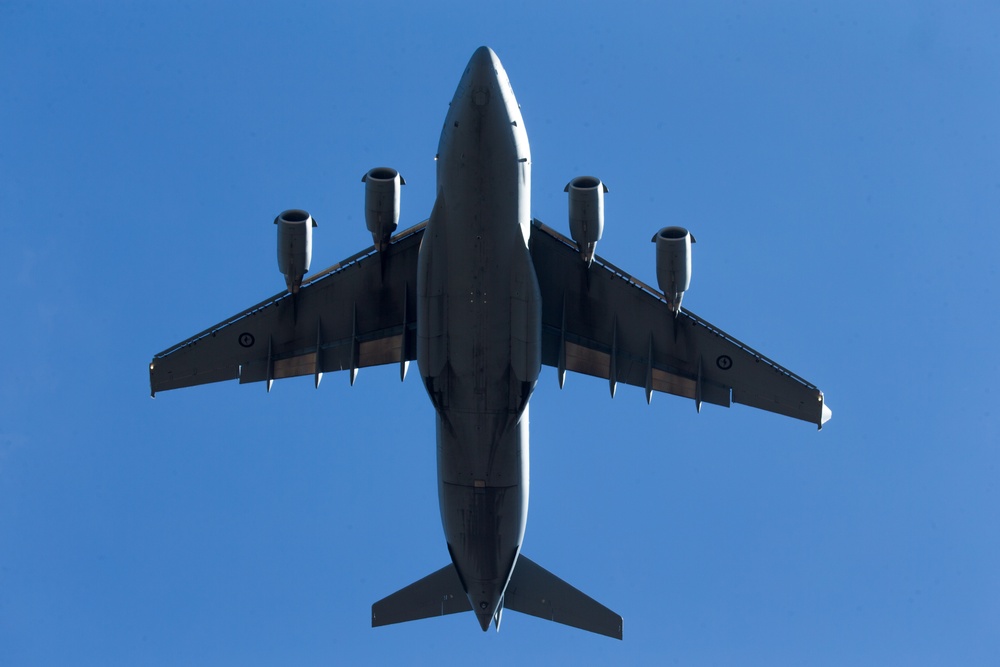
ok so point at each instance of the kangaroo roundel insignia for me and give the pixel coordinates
(246, 339)
(724, 362)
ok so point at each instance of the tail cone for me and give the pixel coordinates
(486, 609)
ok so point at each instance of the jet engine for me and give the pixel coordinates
(586, 213)
(294, 246)
(673, 264)
(382, 203)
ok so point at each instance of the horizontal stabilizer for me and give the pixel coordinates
(435, 595)
(536, 591)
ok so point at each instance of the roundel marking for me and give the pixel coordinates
(724, 362)
(246, 339)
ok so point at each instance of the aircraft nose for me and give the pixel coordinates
(483, 59)
(484, 67)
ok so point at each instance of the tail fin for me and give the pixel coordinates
(532, 590)
(536, 591)
(435, 595)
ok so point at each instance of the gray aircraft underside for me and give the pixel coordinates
(482, 295)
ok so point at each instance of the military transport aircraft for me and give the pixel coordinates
(482, 295)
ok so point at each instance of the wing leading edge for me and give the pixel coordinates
(603, 322)
(360, 312)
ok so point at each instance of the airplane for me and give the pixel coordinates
(482, 295)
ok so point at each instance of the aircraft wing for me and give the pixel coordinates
(360, 312)
(603, 322)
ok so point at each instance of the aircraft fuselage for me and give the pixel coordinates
(478, 312)
(478, 329)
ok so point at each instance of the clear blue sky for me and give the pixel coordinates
(839, 164)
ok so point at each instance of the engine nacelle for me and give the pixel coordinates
(294, 246)
(673, 264)
(382, 203)
(586, 213)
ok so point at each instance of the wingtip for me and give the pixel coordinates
(825, 414)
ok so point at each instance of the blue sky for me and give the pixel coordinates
(839, 164)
